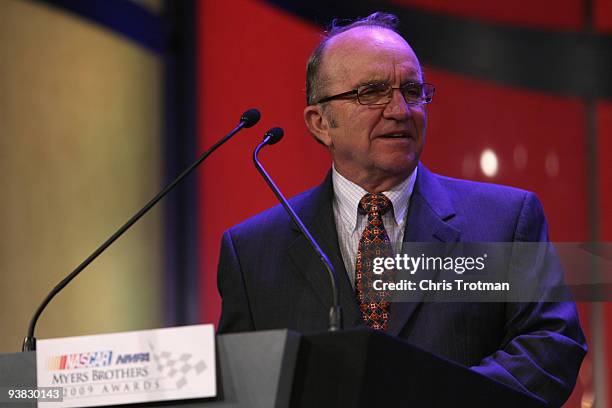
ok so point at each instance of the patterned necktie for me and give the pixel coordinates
(374, 242)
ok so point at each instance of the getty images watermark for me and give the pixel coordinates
(496, 272)
(412, 264)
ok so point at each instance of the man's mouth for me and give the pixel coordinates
(396, 135)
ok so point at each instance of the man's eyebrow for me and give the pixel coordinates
(372, 80)
(411, 81)
(380, 80)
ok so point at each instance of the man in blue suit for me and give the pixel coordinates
(366, 105)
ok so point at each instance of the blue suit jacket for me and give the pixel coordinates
(269, 278)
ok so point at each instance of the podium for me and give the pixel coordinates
(352, 368)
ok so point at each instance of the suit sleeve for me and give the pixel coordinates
(543, 345)
(235, 308)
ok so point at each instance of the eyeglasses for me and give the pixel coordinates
(381, 93)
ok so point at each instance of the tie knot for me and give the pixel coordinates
(374, 203)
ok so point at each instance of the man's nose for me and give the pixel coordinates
(397, 108)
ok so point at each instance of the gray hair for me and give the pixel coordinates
(313, 79)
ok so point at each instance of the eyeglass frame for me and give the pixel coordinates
(355, 92)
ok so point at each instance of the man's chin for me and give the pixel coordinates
(390, 175)
(400, 166)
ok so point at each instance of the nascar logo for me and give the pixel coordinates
(93, 359)
(80, 360)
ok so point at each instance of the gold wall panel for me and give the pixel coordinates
(80, 135)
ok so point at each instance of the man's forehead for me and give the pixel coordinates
(360, 46)
(376, 72)
(366, 38)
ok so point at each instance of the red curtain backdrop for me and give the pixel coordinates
(604, 160)
(250, 55)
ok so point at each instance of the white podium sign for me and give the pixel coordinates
(122, 368)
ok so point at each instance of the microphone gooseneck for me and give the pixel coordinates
(271, 137)
(248, 119)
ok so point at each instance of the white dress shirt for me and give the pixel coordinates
(350, 223)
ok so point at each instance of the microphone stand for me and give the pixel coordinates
(248, 119)
(335, 311)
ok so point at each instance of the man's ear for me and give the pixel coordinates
(317, 124)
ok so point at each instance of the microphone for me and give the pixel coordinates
(250, 118)
(247, 120)
(271, 137)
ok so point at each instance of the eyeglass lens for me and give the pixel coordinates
(382, 93)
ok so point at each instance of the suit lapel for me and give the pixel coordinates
(317, 214)
(428, 216)
(428, 221)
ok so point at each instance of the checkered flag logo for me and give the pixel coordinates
(176, 366)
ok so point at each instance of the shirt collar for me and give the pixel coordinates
(348, 194)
